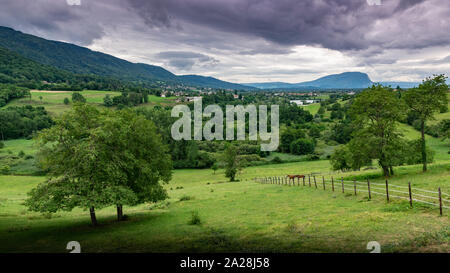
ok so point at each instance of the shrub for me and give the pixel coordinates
(186, 198)
(302, 146)
(195, 218)
(77, 97)
(313, 157)
(4, 169)
(277, 160)
(66, 101)
(2, 144)
(21, 154)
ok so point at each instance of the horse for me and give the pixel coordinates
(293, 176)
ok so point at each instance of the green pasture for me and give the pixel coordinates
(239, 217)
(53, 101)
(312, 108)
(242, 216)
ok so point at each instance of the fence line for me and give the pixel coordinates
(411, 195)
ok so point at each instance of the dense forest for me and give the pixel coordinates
(22, 122)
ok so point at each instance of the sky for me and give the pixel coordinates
(247, 41)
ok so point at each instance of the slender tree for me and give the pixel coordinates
(231, 162)
(425, 101)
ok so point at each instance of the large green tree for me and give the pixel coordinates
(98, 158)
(375, 113)
(425, 101)
(138, 150)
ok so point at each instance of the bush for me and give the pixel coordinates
(186, 198)
(77, 97)
(277, 160)
(107, 101)
(66, 101)
(302, 146)
(195, 218)
(4, 169)
(21, 154)
(313, 157)
(2, 145)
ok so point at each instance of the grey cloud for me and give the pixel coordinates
(236, 32)
(334, 24)
(185, 60)
(445, 60)
(55, 19)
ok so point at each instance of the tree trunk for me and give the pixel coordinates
(423, 148)
(385, 171)
(391, 170)
(119, 213)
(93, 218)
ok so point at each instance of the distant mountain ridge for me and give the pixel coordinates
(81, 60)
(346, 80)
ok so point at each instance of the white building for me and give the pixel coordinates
(298, 102)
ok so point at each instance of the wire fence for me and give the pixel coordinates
(388, 190)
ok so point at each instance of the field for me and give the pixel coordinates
(53, 101)
(241, 216)
(312, 108)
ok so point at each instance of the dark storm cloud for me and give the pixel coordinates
(54, 19)
(185, 60)
(334, 24)
(406, 4)
(248, 37)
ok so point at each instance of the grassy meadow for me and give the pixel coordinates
(53, 101)
(242, 216)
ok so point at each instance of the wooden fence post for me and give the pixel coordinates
(309, 180)
(342, 182)
(315, 183)
(440, 201)
(332, 184)
(410, 194)
(323, 182)
(387, 191)
(354, 185)
(368, 188)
